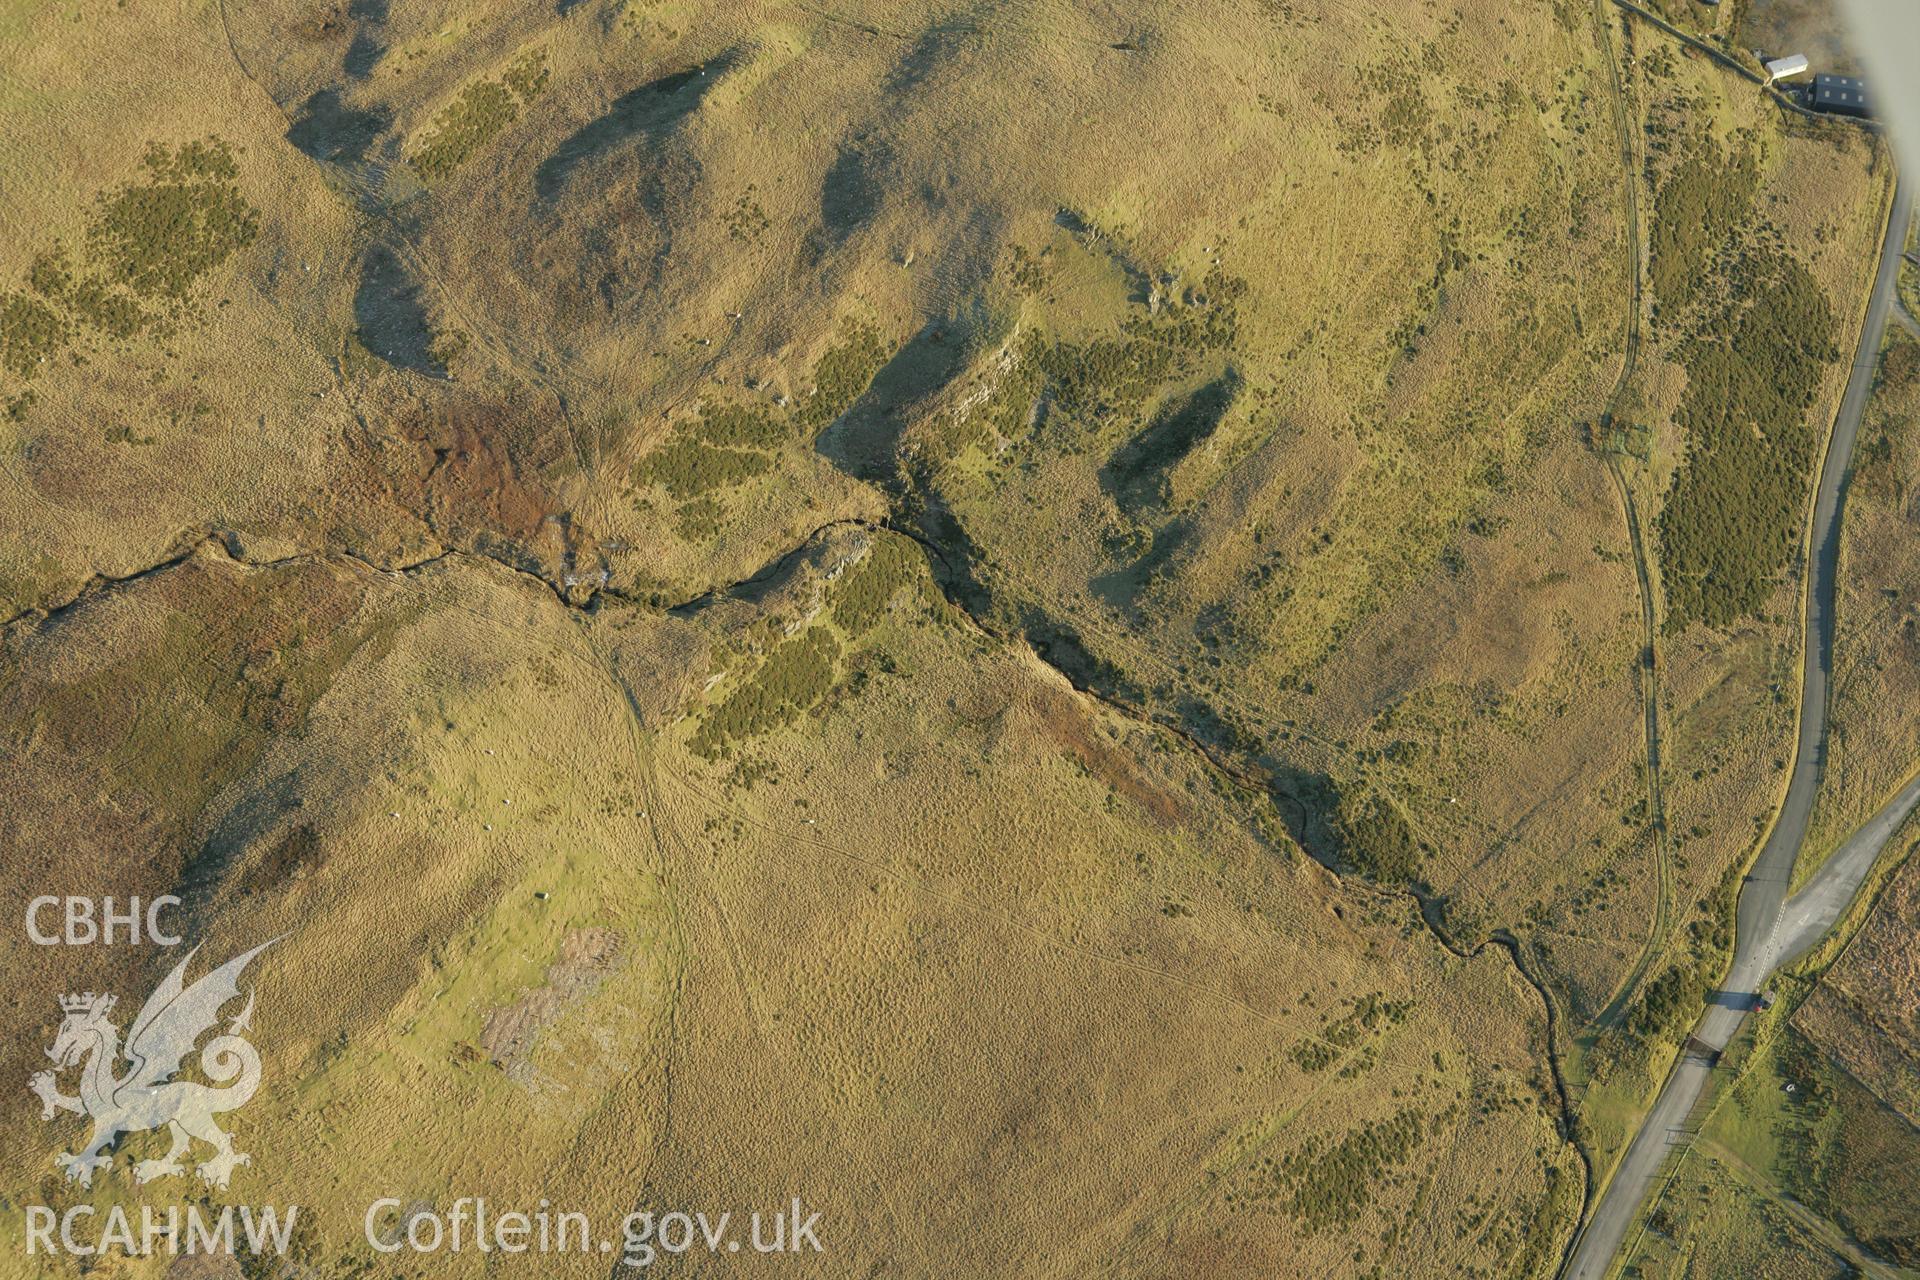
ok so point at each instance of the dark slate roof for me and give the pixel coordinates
(1840, 91)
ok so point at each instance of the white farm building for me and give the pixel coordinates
(1794, 64)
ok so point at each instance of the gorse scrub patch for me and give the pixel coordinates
(1756, 333)
(528, 75)
(478, 114)
(1096, 377)
(30, 332)
(800, 672)
(1376, 840)
(1369, 1013)
(1109, 375)
(1702, 203)
(862, 595)
(1732, 517)
(842, 374)
(793, 679)
(702, 518)
(90, 301)
(747, 219)
(1029, 273)
(1669, 1002)
(741, 426)
(146, 242)
(728, 444)
(101, 308)
(1329, 1185)
(482, 110)
(688, 468)
(157, 238)
(1667, 999)
(49, 276)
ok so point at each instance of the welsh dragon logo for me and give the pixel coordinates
(146, 1096)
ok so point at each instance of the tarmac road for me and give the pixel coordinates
(1765, 935)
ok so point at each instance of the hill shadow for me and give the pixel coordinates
(853, 188)
(1137, 473)
(390, 317)
(648, 111)
(864, 441)
(366, 48)
(331, 133)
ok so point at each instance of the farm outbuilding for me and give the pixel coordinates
(1794, 64)
(1843, 95)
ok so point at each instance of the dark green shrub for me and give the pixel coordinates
(482, 110)
(861, 595)
(30, 332)
(844, 372)
(1733, 515)
(1330, 1186)
(528, 76)
(1702, 202)
(1376, 840)
(687, 468)
(159, 237)
(750, 426)
(794, 678)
